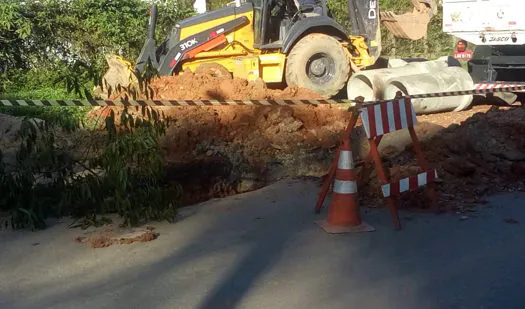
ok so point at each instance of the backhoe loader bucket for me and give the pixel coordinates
(411, 25)
(120, 73)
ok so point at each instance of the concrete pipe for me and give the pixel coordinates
(447, 79)
(371, 84)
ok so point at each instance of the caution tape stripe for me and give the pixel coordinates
(19, 103)
(456, 93)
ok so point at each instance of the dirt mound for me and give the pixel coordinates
(198, 86)
(233, 149)
(109, 236)
(218, 151)
(481, 155)
(203, 86)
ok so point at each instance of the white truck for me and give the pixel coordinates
(497, 29)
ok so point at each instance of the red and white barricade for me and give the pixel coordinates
(379, 119)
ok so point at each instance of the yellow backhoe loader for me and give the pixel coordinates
(278, 41)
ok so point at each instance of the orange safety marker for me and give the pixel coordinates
(343, 215)
(333, 167)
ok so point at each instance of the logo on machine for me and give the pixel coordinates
(188, 44)
(372, 9)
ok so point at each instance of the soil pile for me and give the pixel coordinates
(110, 235)
(205, 86)
(481, 155)
(199, 86)
(216, 151)
(233, 149)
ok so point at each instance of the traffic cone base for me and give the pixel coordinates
(342, 229)
(343, 214)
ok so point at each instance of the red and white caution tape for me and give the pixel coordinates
(90, 102)
(496, 85)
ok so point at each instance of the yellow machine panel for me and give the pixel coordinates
(247, 67)
(272, 67)
(240, 40)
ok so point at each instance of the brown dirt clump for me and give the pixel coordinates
(110, 236)
(203, 86)
(219, 151)
(480, 155)
(223, 150)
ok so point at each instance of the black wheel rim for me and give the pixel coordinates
(320, 68)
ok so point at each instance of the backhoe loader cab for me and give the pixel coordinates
(273, 20)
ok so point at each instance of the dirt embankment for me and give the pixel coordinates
(479, 152)
(203, 86)
(223, 150)
(217, 151)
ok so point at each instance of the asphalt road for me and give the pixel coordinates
(263, 250)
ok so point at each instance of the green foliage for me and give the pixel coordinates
(120, 172)
(29, 188)
(55, 49)
(395, 5)
(339, 11)
(67, 118)
(131, 162)
(216, 4)
(72, 38)
(436, 44)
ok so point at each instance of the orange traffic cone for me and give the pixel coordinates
(343, 215)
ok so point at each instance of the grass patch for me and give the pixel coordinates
(66, 117)
(46, 93)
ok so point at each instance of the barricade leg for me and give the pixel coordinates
(326, 184)
(391, 204)
(431, 187)
(367, 162)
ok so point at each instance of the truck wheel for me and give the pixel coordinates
(320, 63)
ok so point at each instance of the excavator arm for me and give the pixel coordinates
(364, 21)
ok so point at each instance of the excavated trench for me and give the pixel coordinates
(220, 151)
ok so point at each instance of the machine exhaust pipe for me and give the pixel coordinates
(152, 21)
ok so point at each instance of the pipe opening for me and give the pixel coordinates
(360, 85)
(393, 88)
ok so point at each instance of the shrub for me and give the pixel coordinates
(120, 172)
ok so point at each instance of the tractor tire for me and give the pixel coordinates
(318, 62)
